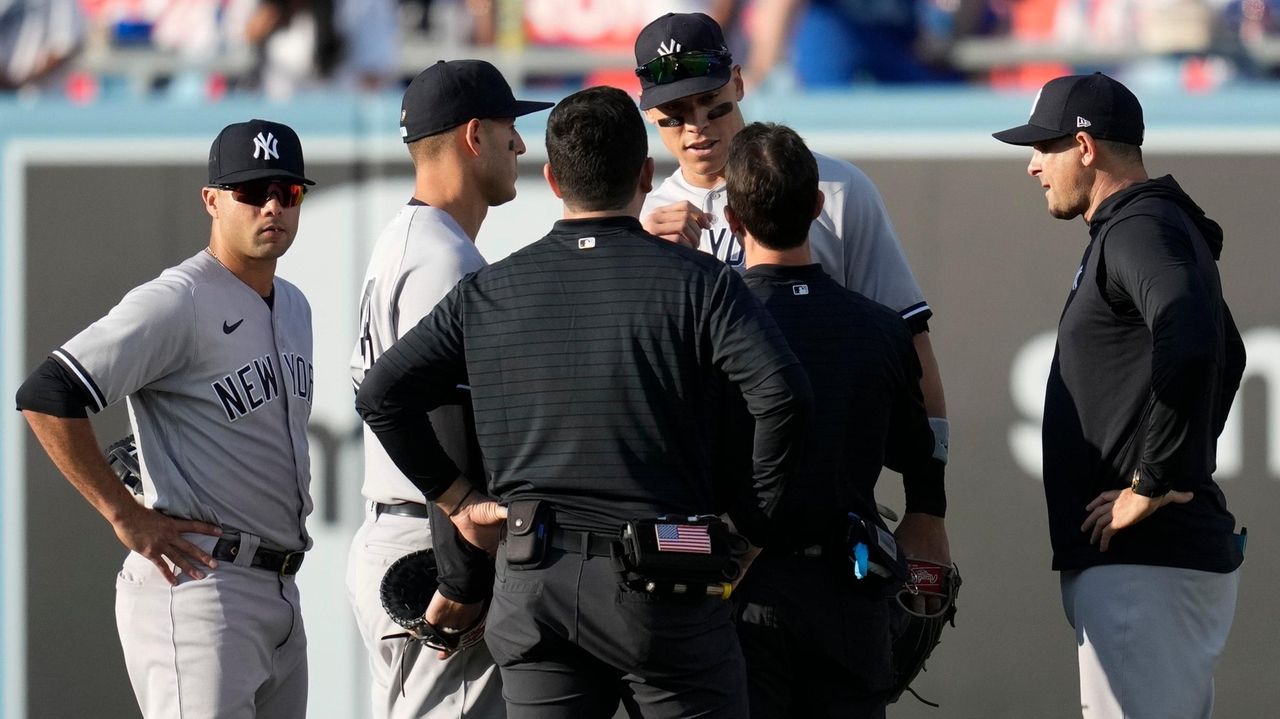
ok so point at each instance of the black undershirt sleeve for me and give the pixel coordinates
(417, 374)
(909, 446)
(51, 389)
(465, 571)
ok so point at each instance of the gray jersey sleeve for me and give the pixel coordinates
(418, 258)
(855, 242)
(145, 337)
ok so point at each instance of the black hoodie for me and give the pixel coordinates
(1147, 364)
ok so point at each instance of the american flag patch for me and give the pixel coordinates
(683, 538)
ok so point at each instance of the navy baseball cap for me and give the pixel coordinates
(449, 94)
(255, 150)
(671, 36)
(1096, 104)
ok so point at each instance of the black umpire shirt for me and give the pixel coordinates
(1147, 363)
(868, 408)
(592, 355)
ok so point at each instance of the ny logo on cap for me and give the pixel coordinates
(668, 47)
(1036, 102)
(269, 146)
(1081, 122)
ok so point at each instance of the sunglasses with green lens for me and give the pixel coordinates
(683, 65)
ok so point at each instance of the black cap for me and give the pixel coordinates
(680, 32)
(255, 150)
(1096, 104)
(448, 94)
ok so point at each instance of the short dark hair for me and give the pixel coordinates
(425, 149)
(772, 183)
(1123, 151)
(597, 145)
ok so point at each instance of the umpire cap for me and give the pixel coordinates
(448, 94)
(255, 150)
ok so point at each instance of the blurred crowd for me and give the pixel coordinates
(206, 48)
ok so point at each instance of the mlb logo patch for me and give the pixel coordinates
(800, 289)
(586, 243)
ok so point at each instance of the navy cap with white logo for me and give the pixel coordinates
(673, 34)
(1096, 104)
(449, 94)
(256, 150)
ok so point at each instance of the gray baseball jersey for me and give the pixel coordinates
(219, 389)
(852, 239)
(417, 259)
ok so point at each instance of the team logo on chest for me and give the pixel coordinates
(257, 383)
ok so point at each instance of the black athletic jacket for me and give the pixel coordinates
(1147, 363)
(592, 357)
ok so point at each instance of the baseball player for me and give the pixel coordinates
(458, 120)
(690, 89)
(591, 356)
(214, 359)
(815, 630)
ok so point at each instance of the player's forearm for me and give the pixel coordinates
(935, 401)
(72, 445)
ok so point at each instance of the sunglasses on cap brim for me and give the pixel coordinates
(683, 65)
(258, 192)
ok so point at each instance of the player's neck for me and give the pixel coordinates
(466, 208)
(705, 182)
(258, 274)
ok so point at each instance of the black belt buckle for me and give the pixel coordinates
(292, 562)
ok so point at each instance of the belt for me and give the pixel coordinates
(402, 509)
(571, 540)
(280, 561)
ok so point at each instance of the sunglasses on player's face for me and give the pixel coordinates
(683, 65)
(259, 192)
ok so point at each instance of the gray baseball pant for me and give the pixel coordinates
(229, 646)
(1148, 638)
(466, 684)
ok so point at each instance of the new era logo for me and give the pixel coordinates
(800, 289)
(668, 47)
(268, 146)
(1081, 122)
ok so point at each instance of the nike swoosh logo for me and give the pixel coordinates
(228, 329)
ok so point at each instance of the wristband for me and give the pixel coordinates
(941, 438)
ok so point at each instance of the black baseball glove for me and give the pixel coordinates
(921, 633)
(122, 457)
(406, 591)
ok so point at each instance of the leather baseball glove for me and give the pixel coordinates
(406, 591)
(922, 632)
(122, 457)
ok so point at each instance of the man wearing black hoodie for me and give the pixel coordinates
(1147, 363)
